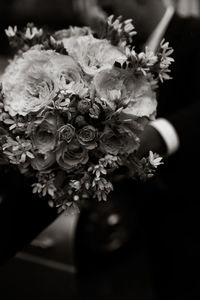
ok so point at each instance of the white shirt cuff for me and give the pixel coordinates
(168, 133)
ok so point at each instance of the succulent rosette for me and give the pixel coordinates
(66, 133)
(73, 106)
(87, 137)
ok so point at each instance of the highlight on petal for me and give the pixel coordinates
(31, 82)
(93, 54)
(120, 87)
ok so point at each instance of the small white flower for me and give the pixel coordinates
(75, 184)
(32, 32)
(115, 95)
(148, 57)
(154, 159)
(11, 31)
(151, 58)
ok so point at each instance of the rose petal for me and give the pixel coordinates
(118, 86)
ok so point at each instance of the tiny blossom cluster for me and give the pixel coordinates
(73, 108)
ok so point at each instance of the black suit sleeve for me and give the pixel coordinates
(187, 124)
(180, 97)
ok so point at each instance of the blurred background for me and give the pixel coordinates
(185, 7)
(59, 14)
(47, 268)
(55, 14)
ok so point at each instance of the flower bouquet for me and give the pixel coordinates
(73, 106)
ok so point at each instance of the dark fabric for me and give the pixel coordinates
(174, 239)
(22, 215)
(179, 102)
(56, 15)
(161, 215)
(183, 90)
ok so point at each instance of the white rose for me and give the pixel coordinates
(121, 86)
(31, 82)
(93, 54)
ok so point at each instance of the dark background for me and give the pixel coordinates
(54, 14)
